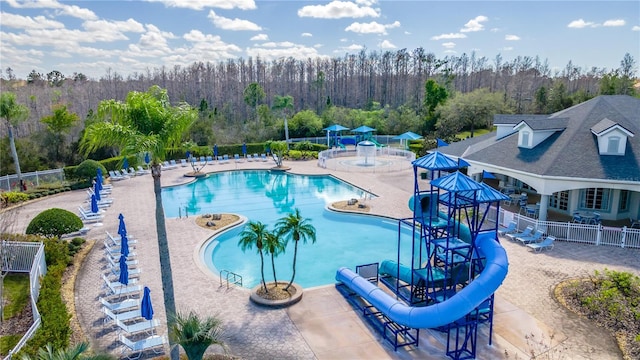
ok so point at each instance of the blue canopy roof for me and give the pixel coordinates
(408, 136)
(363, 129)
(486, 194)
(456, 182)
(335, 127)
(435, 161)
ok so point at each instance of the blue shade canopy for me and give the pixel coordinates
(462, 163)
(456, 182)
(486, 194)
(440, 142)
(435, 161)
(489, 194)
(146, 309)
(124, 271)
(487, 175)
(363, 129)
(407, 136)
(335, 127)
(94, 204)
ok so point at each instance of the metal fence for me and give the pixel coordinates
(624, 237)
(386, 159)
(32, 179)
(26, 257)
(382, 139)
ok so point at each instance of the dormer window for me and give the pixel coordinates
(612, 137)
(533, 131)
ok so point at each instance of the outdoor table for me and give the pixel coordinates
(587, 217)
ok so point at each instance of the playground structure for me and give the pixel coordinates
(456, 264)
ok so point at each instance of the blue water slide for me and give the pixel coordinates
(443, 313)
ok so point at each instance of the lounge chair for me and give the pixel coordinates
(121, 316)
(537, 236)
(116, 288)
(154, 343)
(526, 232)
(89, 216)
(115, 177)
(134, 273)
(139, 327)
(237, 158)
(173, 164)
(142, 171)
(114, 251)
(183, 162)
(225, 159)
(546, 244)
(114, 263)
(264, 157)
(124, 175)
(115, 240)
(511, 228)
(118, 306)
(249, 158)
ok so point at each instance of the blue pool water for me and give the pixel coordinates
(342, 239)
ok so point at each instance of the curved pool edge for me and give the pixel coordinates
(200, 250)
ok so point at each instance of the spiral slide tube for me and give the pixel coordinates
(448, 311)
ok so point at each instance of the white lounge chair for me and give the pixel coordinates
(115, 240)
(183, 163)
(114, 251)
(147, 326)
(116, 288)
(249, 158)
(115, 177)
(131, 315)
(225, 159)
(237, 158)
(115, 263)
(526, 232)
(546, 244)
(89, 217)
(154, 343)
(119, 306)
(264, 157)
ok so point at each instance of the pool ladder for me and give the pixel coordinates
(230, 278)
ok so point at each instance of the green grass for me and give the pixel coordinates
(16, 291)
(465, 134)
(8, 342)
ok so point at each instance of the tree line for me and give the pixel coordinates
(249, 99)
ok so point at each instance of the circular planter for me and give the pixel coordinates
(196, 175)
(281, 168)
(276, 303)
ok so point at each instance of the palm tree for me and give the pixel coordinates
(145, 123)
(274, 246)
(71, 353)
(254, 233)
(195, 335)
(295, 227)
(13, 113)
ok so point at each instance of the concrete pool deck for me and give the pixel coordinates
(323, 325)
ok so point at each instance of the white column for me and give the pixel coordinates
(544, 204)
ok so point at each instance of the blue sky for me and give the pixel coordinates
(132, 36)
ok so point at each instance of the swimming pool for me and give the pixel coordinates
(342, 239)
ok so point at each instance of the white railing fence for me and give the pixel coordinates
(624, 237)
(29, 257)
(32, 179)
(386, 159)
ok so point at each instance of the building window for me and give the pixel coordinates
(624, 200)
(595, 199)
(525, 139)
(613, 145)
(559, 200)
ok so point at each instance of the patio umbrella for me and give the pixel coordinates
(146, 309)
(215, 151)
(94, 204)
(122, 229)
(96, 190)
(440, 142)
(147, 160)
(124, 271)
(124, 245)
(244, 149)
(409, 135)
(462, 163)
(125, 164)
(487, 175)
(99, 173)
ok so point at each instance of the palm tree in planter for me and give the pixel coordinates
(195, 335)
(145, 123)
(274, 246)
(255, 234)
(295, 227)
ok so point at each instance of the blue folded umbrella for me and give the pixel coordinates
(124, 271)
(124, 245)
(122, 229)
(146, 309)
(94, 204)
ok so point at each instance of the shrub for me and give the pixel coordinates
(54, 222)
(303, 145)
(88, 169)
(14, 197)
(75, 245)
(295, 154)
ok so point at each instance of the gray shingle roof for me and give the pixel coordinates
(604, 125)
(547, 123)
(572, 152)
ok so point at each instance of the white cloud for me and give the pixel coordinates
(371, 28)
(201, 4)
(232, 24)
(580, 23)
(306, 34)
(450, 52)
(27, 22)
(339, 9)
(386, 44)
(70, 10)
(506, 48)
(475, 24)
(635, 28)
(77, 12)
(512, 37)
(260, 37)
(281, 50)
(350, 48)
(449, 36)
(108, 26)
(449, 45)
(614, 22)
